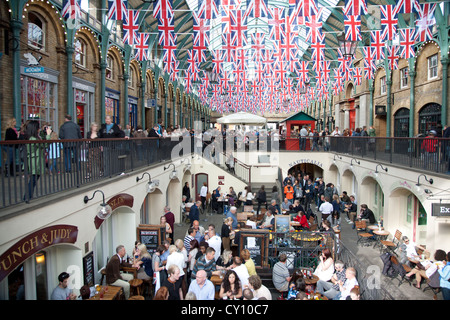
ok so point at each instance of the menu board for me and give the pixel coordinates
(88, 269)
(151, 235)
(257, 242)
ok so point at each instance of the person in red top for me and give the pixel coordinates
(430, 147)
(301, 218)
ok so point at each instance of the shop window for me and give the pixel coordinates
(80, 53)
(109, 67)
(432, 67)
(383, 85)
(404, 77)
(36, 31)
(131, 78)
(429, 117)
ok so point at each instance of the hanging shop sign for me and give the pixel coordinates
(440, 209)
(33, 243)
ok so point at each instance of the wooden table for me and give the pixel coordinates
(312, 281)
(216, 280)
(374, 227)
(380, 235)
(113, 293)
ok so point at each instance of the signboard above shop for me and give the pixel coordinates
(440, 209)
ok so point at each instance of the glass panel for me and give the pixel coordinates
(41, 275)
(16, 284)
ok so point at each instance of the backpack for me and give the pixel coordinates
(388, 269)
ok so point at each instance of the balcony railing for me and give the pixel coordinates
(34, 169)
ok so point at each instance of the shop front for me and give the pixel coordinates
(112, 105)
(39, 98)
(84, 95)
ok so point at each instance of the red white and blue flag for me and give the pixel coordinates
(377, 43)
(425, 22)
(407, 6)
(71, 9)
(163, 10)
(131, 27)
(142, 46)
(352, 26)
(208, 9)
(117, 9)
(355, 8)
(389, 21)
(257, 9)
(407, 41)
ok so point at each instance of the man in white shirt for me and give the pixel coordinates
(202, 287)
(303, 135)
(336, 132)
(348, 285)
(214, 241)
(326, 209)
(241, 271)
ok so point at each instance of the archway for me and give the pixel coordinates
(372, 194)
(407, 214)
(429, 117)
(173, 197)
(310, 169)
(350, 184)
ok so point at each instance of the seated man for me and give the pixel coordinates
(241, 271)
(207, 263)
(350, 210)
(62, 291)
(331, 289)
(268, 222)
(113, 275)
(280, 274)
(202, 287)
(285, 205)
(367, 214)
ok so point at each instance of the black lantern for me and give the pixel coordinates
(212, 76)
(348, 47)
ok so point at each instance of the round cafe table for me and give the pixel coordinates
(374, 227)
(380, 235)
(314, 279)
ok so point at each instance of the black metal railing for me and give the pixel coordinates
(34, 169)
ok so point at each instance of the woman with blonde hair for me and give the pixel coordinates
(249, 263)
(144, 261)
(94, 151)
(225, 261)
(163, 221)
(225, 233)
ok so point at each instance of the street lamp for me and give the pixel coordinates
(103, 210)
(348, 47)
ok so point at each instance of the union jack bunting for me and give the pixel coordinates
(407, 6)
(142, 46)
(389, 21)
(239, 27)
(369, 63)
(257, 9)
(352, 28)
(166, 30)
(407, 41)
(200, 29)
(117, 9)
(426, 20)
(208, 9)
(131, 27)
(275, 22)
(163, 10)
(355, 8)
(357, 76)
(313, 27)
(392, 52)
(71, 9)
(377, 43)
(305, 8)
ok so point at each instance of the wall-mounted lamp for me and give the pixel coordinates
(336, 156)
(418, 180)
(351, 162)
(151, 186)
(174, 172)
(104, 210)
(383, 168)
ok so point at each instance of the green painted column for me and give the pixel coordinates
(143, 88)
(69, 98)
(371, 91)
(166, 113)
(412, 80)
(444, 62)
(126, 77)
(102, 90)
(16, 27)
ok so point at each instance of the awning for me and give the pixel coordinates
(243, 118)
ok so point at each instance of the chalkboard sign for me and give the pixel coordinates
(151, 235)
(257, 242)
(88, 269)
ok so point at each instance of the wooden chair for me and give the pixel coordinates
(135, 286)
(364, 237)
(136, 297)
(402, 278)
(103, 273)
(147, 287)
(391, 246)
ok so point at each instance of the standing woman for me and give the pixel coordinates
(11, 134)
(225, 233)
(35, 156)
(275, 193)
(262, 198)
(94, 151)
(250, 197)
(159, 275)
(203, 194)
(164, 222)
(187, 191)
